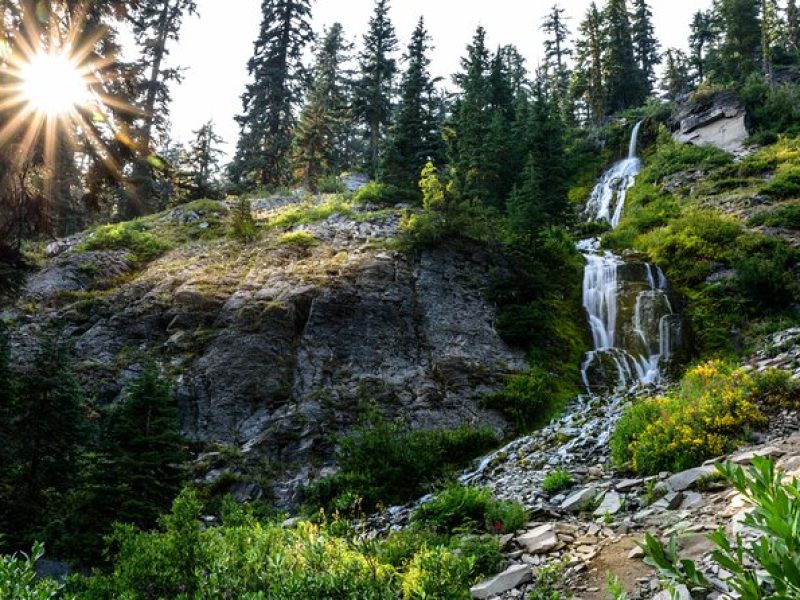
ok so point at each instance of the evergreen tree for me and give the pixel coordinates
(676, 73)
(540, 198)
(771, 34)
(145, 449)
(588, 82)
(203, 161)
(155, 23)
(49, 432)
(556, 47)
(414, 139)
(645, 43)
(373, 97)
(278, 79)
(739, 52)
(793, 25)
(468, 149)
(320, 137)
(703, 35)
(623, 79)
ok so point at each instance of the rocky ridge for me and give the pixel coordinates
(279, 345)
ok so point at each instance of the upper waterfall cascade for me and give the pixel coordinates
(634, 327)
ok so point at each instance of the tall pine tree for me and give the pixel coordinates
(202, 161)
(701, 40)
(676, 73)
(556, 47)
(321, 133)
(623, 79)
(740, 49)
(414, 138)
(645, 43)
(793, 25)
(588, 83)
(269, 102)
(373, 98)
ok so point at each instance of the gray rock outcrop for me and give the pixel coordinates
(718, 119)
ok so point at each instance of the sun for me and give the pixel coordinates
(53, 84)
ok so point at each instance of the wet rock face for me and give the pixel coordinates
(276, 350)
(719, 120)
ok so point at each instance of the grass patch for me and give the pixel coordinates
(787, 217)
(302, 239)
(471, 509)
(310, 212)
(557, 481)
(132, 236)
(785, 184)
(710, 413)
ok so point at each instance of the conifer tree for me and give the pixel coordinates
(793, 25)
(320, 135)
(676, 73)
(470, 118)
(203, 161)
(414, 137)
(703, 36)
(771, 33)
(540, 198)
(269, 102)
(739, 52)
(556, 47)
(623, 80)
(155, 24)
(373, 97)
(645, 43)
(588, 82)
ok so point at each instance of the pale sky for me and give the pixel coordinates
(214, 47)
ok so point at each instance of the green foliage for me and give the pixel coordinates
(772, 109)
(709, 414)
(527, 400)
(18, 580)
(784, 216)
(557, 481)
(462, 508)
(768, 568)
(310, 212)
(302, 239)
(247, 558)
(387, 462)
(764, 273)
(242, 226)
(777, 389)
(331, 185)
(672, 157)
(131, 236)
(785, 184)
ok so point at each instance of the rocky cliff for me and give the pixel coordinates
(279, 345)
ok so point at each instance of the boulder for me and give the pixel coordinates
(680, 592)
(686, 479)
(718, 119)
(746, 458)
(580, 500)
(611, 505)
(509, 579)
(539, 540)
(669, 502)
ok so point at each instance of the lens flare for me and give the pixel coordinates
(53, 84)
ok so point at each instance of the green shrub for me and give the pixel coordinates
(769, 568)
(437, 573)
(776, 388)
(384, 195)
(132, 236)
(18, 580)
(462, 508)
(672, 157)
(557, 481)
(390, 463)
(784, 216)
(785, 184)
(331, 185)
(243, 226)
(772, 109)
(311, 212)
(709, 414)
(302, 239)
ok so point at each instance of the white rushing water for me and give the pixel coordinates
(627, 352)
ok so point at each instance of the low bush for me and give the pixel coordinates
(671, 157)
(18, 579)
(243, 226)
(785, 216)
(777, 389)
(557, 481)
(769, 568)
(302, 239)
(131, 236)
(765, 273)
(247, 558)
(528, 400)
(331, 185)
(773, 109)
(709, 414)
(389, 463)
(310, 212)
(472, 509)
(785, 184)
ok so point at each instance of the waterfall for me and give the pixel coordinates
(628, 348)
